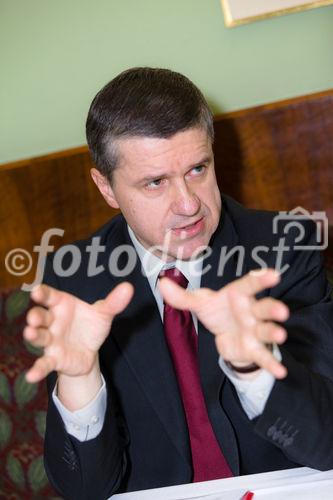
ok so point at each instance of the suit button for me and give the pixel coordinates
(288, 441)
(277, 436)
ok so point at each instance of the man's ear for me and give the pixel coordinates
(104, 187)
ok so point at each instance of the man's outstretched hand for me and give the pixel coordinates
(242, 325)
(70, 331)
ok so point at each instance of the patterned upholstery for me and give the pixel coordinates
(22, 408)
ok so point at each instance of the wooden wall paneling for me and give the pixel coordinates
(280, 155)
(46, 192)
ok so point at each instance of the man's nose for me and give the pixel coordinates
(185, 201)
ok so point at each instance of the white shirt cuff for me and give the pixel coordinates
(86, 423)
(253, 394)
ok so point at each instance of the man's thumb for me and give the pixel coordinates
(118, 299)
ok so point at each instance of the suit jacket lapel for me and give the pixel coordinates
(138, 331)
(212, 377)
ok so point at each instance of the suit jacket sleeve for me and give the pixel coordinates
(90, 469)
(298, 416)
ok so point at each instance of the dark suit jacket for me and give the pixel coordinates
(144, 442)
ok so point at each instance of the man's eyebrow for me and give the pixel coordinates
(205, 159)
(151, 177)
(160, 175)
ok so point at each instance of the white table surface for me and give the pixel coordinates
(292, 484)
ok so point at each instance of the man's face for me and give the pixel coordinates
(167, 191)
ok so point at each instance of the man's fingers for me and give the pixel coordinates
(270, 333)
(46, 295)
(39, 316)
(117, 300)
(265, 359)
(40, 369)
(269, 308)
(39, 337)
(176, 296)
(256, 281)
(256, 353)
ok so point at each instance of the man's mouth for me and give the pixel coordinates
(189, 229)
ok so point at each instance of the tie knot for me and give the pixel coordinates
(175, 275)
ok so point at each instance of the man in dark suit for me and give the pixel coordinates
(122, 415)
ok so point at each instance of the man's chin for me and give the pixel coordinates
(189, 250)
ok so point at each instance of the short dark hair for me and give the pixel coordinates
(150, 102)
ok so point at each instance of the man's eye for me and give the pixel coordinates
(197, 170)
(154, 184)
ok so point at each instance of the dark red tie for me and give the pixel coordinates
(207, 458)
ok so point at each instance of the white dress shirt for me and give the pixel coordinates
(87, 422)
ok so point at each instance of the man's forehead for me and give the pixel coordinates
(191, 146)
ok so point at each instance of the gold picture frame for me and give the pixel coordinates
(238, 12)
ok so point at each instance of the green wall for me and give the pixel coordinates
(56, 54)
